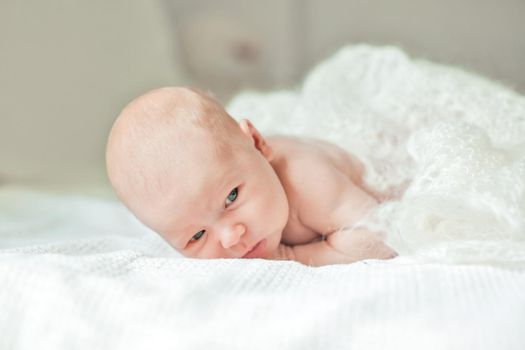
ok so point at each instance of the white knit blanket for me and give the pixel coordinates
(79, 272)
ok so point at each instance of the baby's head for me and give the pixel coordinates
(191, 173)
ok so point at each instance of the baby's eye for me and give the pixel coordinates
(197, 236)
(232, 196)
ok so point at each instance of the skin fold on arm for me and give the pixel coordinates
(336, 217)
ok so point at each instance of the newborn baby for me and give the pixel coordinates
(215, 188)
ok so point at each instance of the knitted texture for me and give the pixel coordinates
(103, 281)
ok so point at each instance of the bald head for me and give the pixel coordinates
(161, 135)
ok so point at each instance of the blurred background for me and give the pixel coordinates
(67, 68)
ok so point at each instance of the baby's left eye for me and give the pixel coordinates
(232, 196)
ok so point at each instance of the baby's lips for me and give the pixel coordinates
(256, 250)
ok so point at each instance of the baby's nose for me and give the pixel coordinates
(231, 235)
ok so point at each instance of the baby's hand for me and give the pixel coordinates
(283, 252)
(360, 243)
(342, 247)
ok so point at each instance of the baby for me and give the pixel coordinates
(215, 188)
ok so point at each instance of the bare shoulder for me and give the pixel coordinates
(313, 174)
(308, 157)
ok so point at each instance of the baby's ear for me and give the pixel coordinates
(259, 142)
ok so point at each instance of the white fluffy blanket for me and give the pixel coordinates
(457, 139)
(79, 272)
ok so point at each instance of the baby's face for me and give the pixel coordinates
(223, 206)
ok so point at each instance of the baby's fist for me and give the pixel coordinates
(283, 252)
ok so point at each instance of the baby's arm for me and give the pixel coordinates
(337, 250)
(317, 253)
(333, 205)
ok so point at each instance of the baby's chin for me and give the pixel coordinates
(272, 244)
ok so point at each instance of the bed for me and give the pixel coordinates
(78, 271)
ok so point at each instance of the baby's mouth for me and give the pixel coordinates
(255, 251)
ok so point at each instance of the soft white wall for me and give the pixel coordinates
(285, 38)
(67, 68)
(485, 36)
(230, 45)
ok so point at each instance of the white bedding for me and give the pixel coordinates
(79, 272)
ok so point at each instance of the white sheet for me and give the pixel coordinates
(121, 287)
(79, 272)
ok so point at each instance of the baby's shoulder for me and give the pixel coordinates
(305, 165)
(294, 155)
(307, 157)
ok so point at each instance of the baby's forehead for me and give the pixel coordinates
(194, 193)
(215, 166)
(198, 162)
